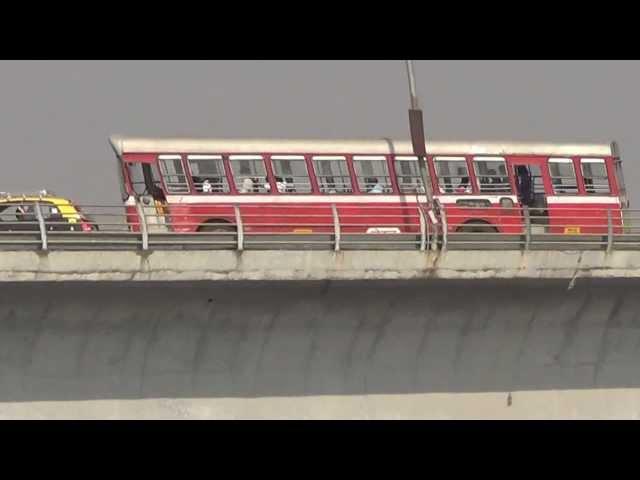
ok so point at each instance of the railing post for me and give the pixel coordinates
(43, 227)
(336, 226)
(609, 231)
(143, 225)
(239, 228)
(423, 229)
(445, 228)
(527, 227)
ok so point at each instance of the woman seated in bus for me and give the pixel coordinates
(464, 186)
(448, 186)
(247, 185)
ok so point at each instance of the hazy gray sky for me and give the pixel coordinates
(56, 116)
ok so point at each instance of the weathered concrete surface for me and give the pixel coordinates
(313, 265)
(365, 349)
(553, 404)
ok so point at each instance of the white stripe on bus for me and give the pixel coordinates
(583, 199)
(373, 198)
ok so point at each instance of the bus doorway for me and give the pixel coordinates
(530, 188)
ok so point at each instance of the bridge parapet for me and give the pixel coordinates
(196, 265)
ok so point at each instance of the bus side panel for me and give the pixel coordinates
(584, 219)
(287, 218)
(187, 218)
(400, 217)
(504, 220)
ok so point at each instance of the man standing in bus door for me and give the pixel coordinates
(525, 185)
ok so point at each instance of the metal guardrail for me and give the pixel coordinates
(327, 227)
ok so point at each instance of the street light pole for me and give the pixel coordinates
(417, 133)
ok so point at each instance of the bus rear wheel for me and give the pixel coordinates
(216, 228)
(477, 227)
(226, 242)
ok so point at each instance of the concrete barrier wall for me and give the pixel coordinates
(362, 349)
(313, 265)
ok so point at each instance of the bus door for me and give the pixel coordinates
(531, 188)
(146, 189)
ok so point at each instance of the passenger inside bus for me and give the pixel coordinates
(373, 186)
(290, 185)
(206, 186)
(588, 185)
(281, 185)
(247, 185)
(330, 183)
(524, 184)
(464, 186)
(448, 186)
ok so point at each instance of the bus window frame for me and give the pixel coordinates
(396, 176)
(377, 158)
(508, 175)
(350, 172)
(470, 174)
(250, 156)
(578, 178)
(187, 178)
(599, 160)
(291, 156)
(211, 156)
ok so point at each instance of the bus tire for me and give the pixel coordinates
(216, 228)
(477, 226)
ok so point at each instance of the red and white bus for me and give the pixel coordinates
(481, 186)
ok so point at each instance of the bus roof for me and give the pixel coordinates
(375, 146)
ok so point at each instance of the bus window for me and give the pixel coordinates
(207, 173)
(594, 172)
(291, 174)
(249, 174)
(136, 177)
(408, 174)
(173, 173)
(372, 174)
(563, 175)
(491, 174)
(332, 174)
(145, 179)
(453, 174)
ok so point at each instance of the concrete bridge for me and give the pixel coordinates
(220, 265)
(319, 335)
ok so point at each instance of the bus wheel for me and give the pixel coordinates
(216, 228)
(477, 227)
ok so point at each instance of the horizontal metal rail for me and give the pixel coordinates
(331, 226)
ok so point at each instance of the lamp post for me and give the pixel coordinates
(416, 129)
